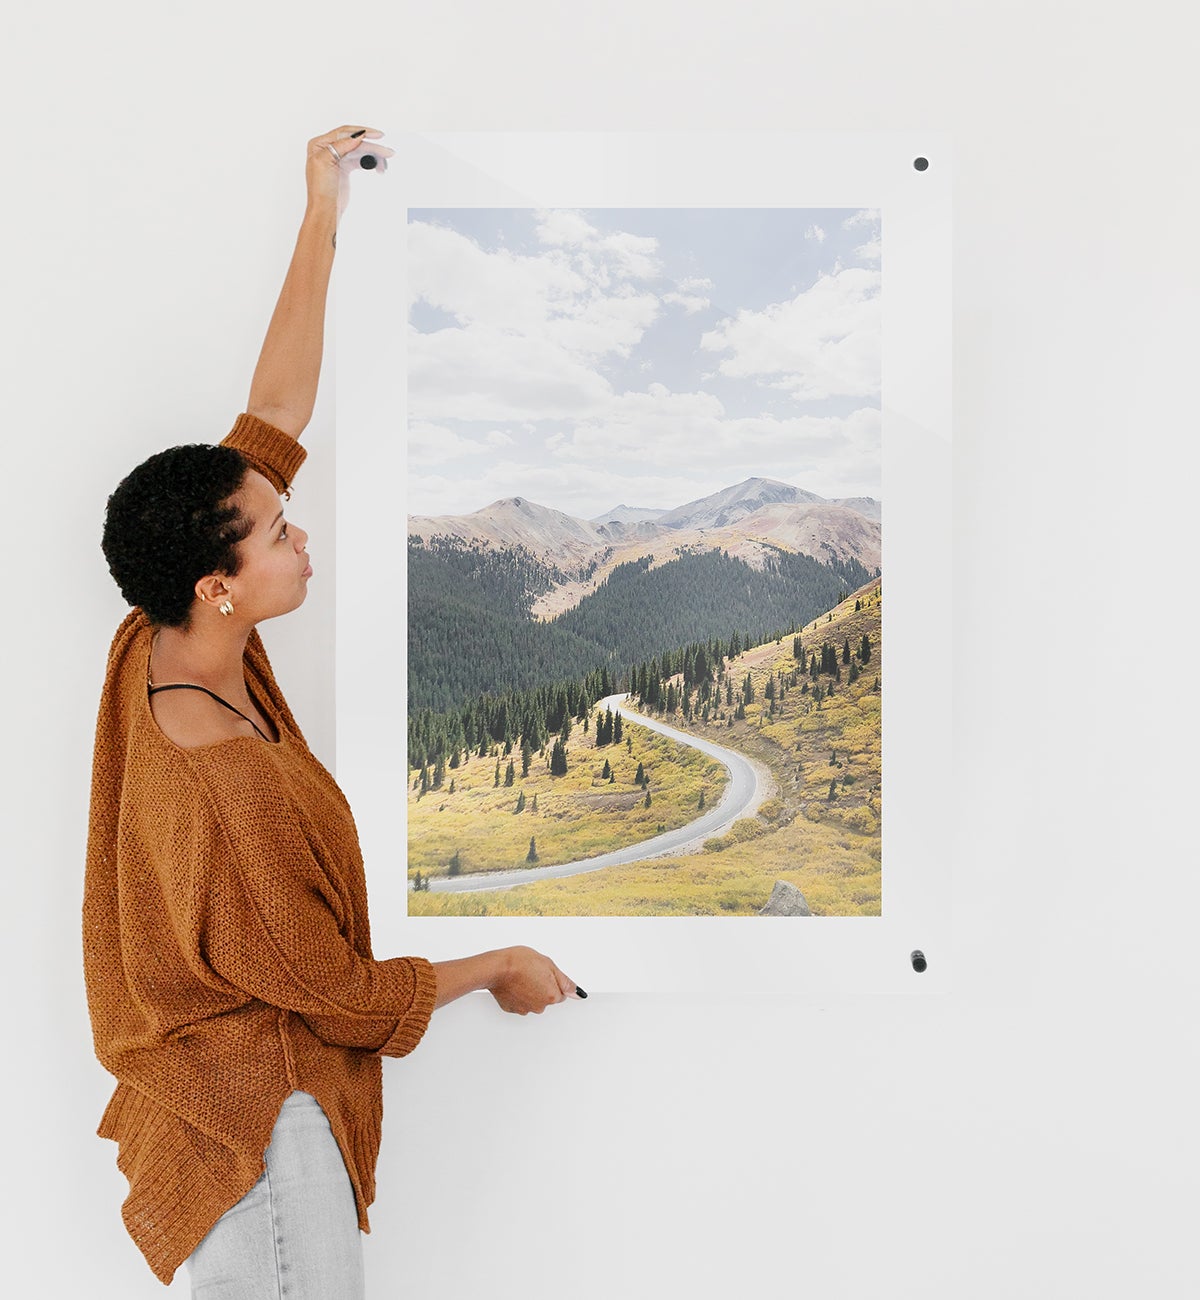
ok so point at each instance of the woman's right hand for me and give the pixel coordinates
(528, 981)
(326, 178)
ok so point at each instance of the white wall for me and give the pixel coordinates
(1030, 1135)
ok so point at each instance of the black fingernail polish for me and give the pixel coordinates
(579, 993)
(355, 134)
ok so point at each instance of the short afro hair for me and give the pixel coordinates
(170, 522)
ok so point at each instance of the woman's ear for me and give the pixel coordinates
(212, 590)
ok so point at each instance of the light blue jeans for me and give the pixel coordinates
(294, 1235)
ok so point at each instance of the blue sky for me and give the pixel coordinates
(586, 358)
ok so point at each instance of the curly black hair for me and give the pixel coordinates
(170, 522)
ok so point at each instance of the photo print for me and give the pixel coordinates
(645, 635)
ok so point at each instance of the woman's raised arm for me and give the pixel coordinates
(284, 388)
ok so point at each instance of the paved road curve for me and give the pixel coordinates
(748, 785)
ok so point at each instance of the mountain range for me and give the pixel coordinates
(750, 520)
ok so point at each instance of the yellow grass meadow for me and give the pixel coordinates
(821, 831)
(579, 815)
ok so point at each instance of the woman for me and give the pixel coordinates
(231, 984)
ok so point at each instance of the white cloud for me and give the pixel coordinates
(524, 363)
(632, 255)
(563, 227)
(822, 343)
(430, 444)
(693, 428)
(863, 217)
(815, 232)
(501, 289)
(655, 464)
(530, 329)
(690, 302)
(484, 373)
(618, 252)
(870, 251)
(689, 294)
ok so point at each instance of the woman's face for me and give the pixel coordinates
(274, 573)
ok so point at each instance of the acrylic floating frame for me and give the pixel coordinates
(880, 172)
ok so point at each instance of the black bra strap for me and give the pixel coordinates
(189, 686)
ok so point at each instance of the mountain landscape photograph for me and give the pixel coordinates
(644, 536)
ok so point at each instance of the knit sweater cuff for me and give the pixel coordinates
(275, 454)
(411, 1028)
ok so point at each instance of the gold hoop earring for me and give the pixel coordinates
(226, 607)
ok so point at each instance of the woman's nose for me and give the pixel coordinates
(301, 538)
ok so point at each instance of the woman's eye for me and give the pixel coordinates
(283, 532)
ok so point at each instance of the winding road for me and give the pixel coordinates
(749, 784)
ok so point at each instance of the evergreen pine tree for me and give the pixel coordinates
(558, 759)
(864, 649)
(606, 770)
(617, 731)
(510, 774)
(832, 790)
(532, 855)
(647, 801)
(526, 756)
(640, 778)
(496, 780)
(846, 651)
(439, 773)
(520, 802)
(455, 864)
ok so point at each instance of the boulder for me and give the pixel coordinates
(785, 900)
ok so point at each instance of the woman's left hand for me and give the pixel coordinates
(327, 177)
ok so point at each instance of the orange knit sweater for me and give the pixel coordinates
(226, 945)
